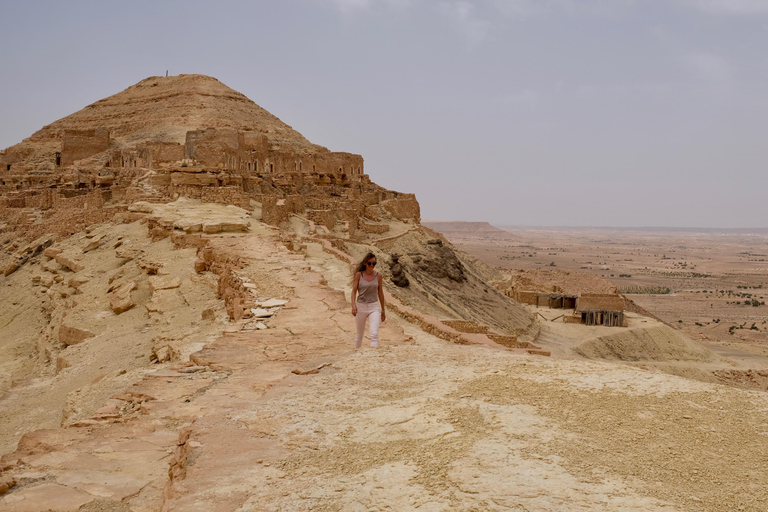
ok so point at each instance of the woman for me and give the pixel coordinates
(367, 299)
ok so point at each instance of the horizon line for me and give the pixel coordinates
(551, 226)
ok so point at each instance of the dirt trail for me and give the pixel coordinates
(420, 424)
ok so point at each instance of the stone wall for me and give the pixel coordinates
(275, 209)
(405, 207)
(82, 144)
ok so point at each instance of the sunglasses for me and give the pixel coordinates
(370, 264)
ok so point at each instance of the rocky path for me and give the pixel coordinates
(291, 419)
(120, 459)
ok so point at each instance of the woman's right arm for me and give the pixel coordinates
(355, 282)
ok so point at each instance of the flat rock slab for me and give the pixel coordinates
(271, 303)
(45, 497)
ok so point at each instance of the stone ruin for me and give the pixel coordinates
(139, 145)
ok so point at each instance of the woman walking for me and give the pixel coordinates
(367, 299)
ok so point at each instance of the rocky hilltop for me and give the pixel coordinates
(176, 266)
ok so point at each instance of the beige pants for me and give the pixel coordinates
(367, 310)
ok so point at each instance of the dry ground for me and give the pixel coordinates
(421, 424)
(709, 274)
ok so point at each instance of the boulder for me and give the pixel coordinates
(163, 283)
(69, 261)
(51, 252)
(6, 483)
(121, 300)
(94, 243)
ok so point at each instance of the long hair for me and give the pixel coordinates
(361, 266)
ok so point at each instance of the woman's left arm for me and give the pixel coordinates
(382, 302)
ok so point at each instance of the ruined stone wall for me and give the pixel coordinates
(251, 152)
(405, 207)
(322, 217)
(275, 210)
(81, 144)
(377, 229)
(211, 147)
(221, 195)
(157, 154)
(526, 297)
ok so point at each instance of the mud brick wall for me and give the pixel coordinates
(526, 297)
(600, 301)
(81, 144)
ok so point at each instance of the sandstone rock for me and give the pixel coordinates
(61, 363)
(149, 266)
(398, 272)
(51, 252)
(6, 483)
(73, 335)
(94, 243)
(161, 283)
(189, 225)
(166, 300)
(200, 266)
(192, 369)
(69, 261)
(77, 281)
(235, 226)
(121, 301)
(161, 354)
(128, 253)
(211, 227)
(36, 247)
(261, 313)
(272, 303)
(12, 267)
(141, 207)
(208, 315)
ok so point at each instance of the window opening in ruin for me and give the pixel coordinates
(8, 167)
(271, 168)
(300, 165)
(106, 164)
(58, 159)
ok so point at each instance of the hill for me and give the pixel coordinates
(467, 229)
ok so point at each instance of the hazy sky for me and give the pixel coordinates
(532, 112)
